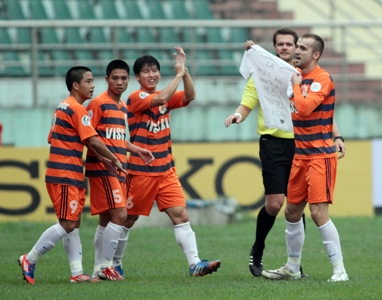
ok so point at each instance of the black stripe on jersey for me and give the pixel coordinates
(313, 137)
(108, 192)
(68, 111)
(112, 107)
(66, 138)
(150, 169)
(324, 107)
(64, 166)
(65, 152)
(328, 178)
(67, 181)
(149, 141)
(64, 202)
(332, 93)
(95, 160)
(319, 150)
(117, 150)
(104, 173)
(307, 81)
(311, 123)
(63, 123)
(113, 121)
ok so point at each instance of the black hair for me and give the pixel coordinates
(117, 64)
(318, 45)
(75, 74)
(146, 60)
(285, 31)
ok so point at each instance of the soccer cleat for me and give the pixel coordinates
(110, 273)
(281, 274)
(255, 262)
(27, 269)
(337, 277)
(204, 267)
(120, 270)
(81, 278)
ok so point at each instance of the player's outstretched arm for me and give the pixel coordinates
(97, 146)
(240, 114)
(166, 94)
(144, 154)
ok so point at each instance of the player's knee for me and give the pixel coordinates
(130, 221)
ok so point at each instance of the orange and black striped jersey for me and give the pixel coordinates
(110, 121)
(312, 115)
(70, 128)
(150, 129)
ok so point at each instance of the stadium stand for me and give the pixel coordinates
(98, 44)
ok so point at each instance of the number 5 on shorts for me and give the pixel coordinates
(117, 197)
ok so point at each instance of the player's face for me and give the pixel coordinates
(118, 81)
(148, 78)
(285, 47)
(86, 87)
(304, 54)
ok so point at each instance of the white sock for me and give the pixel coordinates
(109, 243)
(47, 241)
(122, 242)
(73, 249)
(185, 238)
(332, 244)
(98, 238)
(295, 236)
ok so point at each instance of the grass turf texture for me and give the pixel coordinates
(157, 269)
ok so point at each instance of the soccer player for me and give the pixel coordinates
(108, 115)
(276, 150)
(71, 130)
(314, 166)
(149, 124)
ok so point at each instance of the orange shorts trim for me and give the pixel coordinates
(106, 193)
(142, 191)
(68, 200)
(312, 180)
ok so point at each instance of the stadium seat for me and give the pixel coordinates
(130, 56)
(156, 10)
(13, 10)
(61, 10)
(10, 56)
(230, 68)
(239, 35)
(202, 10)
(164, 61)
(132, 9)
(37, 10)
(109, 10)
(178, 10)
(168, 35)
(205, 68)
(44, 70)
(145, 35)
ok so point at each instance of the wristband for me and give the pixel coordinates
(238, 114)
(339, 137)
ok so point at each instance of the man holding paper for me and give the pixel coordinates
(276, 144)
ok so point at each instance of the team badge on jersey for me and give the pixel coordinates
(162, 109)
(143, 95)
(86, 120)
(315, 86)
(90, 113)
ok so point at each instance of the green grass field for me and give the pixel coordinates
(157, 268)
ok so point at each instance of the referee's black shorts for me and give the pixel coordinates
(276, 156)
